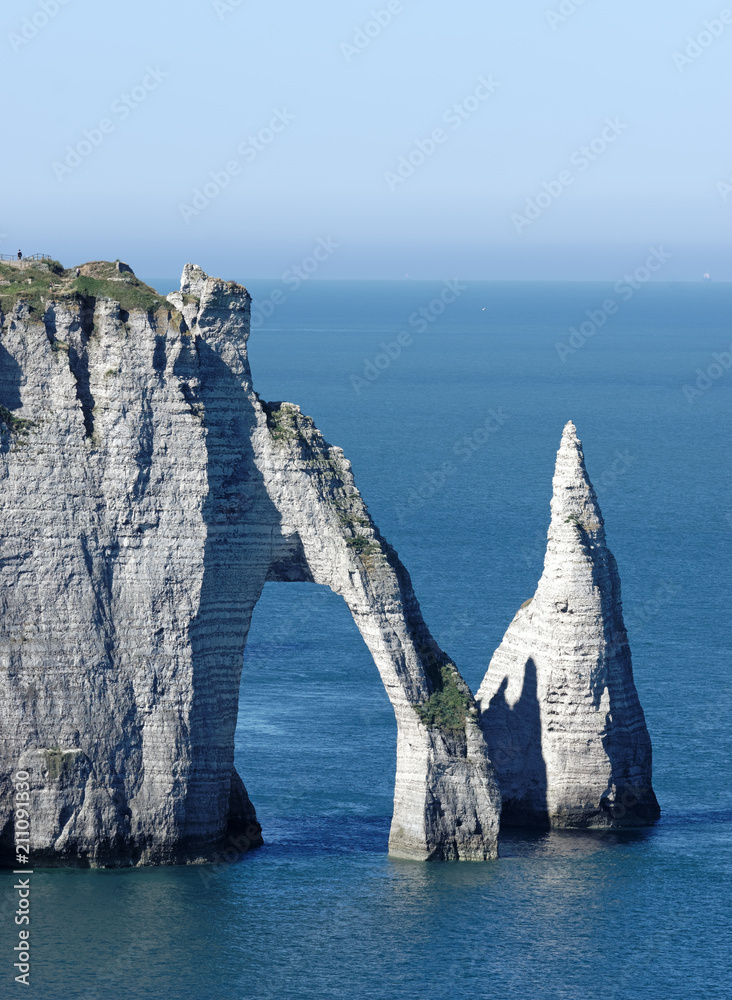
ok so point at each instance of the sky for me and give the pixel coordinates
(533, 140)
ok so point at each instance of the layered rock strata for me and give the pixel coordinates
(559, 707)
(147, 496)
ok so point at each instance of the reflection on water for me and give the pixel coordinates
(566, 843)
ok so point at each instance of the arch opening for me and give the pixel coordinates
(316, 734)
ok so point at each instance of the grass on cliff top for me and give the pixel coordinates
(133, 296)
(447, 707)
(48, 281)
(31, 284)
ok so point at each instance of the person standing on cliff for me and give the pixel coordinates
(20, 254)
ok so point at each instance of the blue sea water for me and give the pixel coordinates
(453, 446)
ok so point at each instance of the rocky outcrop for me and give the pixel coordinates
(147, 495)
(559, 708)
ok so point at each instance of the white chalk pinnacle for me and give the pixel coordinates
(559, 708)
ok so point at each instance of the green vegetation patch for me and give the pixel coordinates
(351, 520)
(9, 423)
(44, 281)
(9, 272)
(363, 546)
(58, 761)
(282, 421)
(447, 707)
(176, 320)
(33, 285)
(344, 506)
(133, 295)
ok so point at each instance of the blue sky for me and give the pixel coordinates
(118, 113)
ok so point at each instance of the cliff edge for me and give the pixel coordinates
(147, 496)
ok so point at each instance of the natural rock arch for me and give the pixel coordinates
(138, 538)
(445, 801)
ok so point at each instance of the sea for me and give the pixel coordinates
(449, 398)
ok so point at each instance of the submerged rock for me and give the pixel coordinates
(561, 716)
(147, 496)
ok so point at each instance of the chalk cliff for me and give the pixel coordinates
(559, 708)
(147, 495)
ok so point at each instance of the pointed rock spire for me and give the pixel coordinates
(559, 708)
(573, 493)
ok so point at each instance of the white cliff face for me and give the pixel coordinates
(147, 495)
(559, 708)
